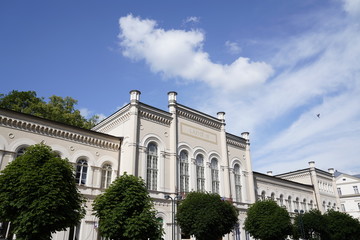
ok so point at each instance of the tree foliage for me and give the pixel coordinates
(312, 223)
(38, 194)
(126, 212)
(268, 221)
(341, 226)
(206, 216)
(57, 108)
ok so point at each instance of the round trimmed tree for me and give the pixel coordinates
(126, 211)
(38, 194)
(206, 216)
(268, 221)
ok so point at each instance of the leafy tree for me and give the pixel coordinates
(206, 216)
(341, 226)
(126, 212)
(268, 221)
(57, 108)
(38, 194)
(313, 224)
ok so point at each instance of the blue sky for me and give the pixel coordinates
(272, 66)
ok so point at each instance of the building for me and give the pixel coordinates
(348, 190)
(174, 151)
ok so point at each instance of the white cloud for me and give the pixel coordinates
(316, 71)
(352, 6)
(192, 20)
(233, 47)
(179, 54)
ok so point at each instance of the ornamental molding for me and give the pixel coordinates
(200, 118)
(155, 116)
(49, 131)
(116, 119)
(236, 143)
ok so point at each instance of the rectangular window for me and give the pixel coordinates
(356, 190)
(339, 191)
(200, 178)
(343, 208)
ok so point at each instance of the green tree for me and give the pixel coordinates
(313, 224)
(268, 221)
(126, 212)
(56, 109)
(206, 216)
(341, 226)
(38, 194)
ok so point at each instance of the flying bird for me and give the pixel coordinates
(318, 115)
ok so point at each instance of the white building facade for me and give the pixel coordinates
(174, 151)
(348, 189)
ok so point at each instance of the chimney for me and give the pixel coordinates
(312, 164)
(221, 116)
(134, 96)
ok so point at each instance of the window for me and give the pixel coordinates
(215, 175)
(184, 172)
(106, 176)
(20, 151)
(359, 206)
(152, 161)
(311, 204)
(297, 204)
(289, 204)
(237, 177)
(263, 194)
(356, 190)
(343, 208)
(272, 196)
(200, 173)
(81, 171)
(281, 200)
(304, 205)
(339, 191)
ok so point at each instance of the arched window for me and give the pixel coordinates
(81, 171)
(200, 173)
(311, 204)
(152, 161)
(184, 171)
(237, 177)
(263, 195)
(273, 196)
(281, 200)
(297, 204)
(106, 176)
(289, 204)
(304, 205)
(20, 151)
(215, 175)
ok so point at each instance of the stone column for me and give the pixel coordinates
(315, 183)
(250, 185)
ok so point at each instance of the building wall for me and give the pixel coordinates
(348, 188)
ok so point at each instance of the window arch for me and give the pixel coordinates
(311, 204)
(81, 171)
(263, 195)
(200, 173)
(237, 177)
(215, 175)
(106, 172)
(289, 204)
(152, 162)
(297, 204)
(20, 151)
(281, 200)
(304, 205)
(272, 196)
(184, 171)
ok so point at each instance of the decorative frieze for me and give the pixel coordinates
(56, 133)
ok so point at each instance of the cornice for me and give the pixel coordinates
(198, 117)
(236, 141)
(155, 115)
(49, 131)
(117, 118)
